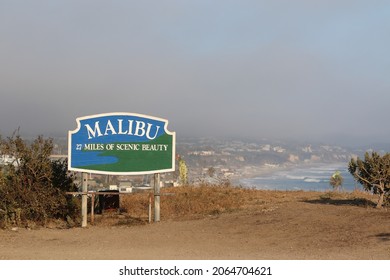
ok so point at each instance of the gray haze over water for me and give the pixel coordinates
(303, 70)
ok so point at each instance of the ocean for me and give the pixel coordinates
(308, 178)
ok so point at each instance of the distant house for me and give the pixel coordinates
(113, 187)
(279, 149)
(266, 147)
(125, 187)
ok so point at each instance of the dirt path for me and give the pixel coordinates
(289, 226)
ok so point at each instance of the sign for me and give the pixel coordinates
(121, 144)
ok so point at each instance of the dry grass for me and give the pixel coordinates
(203, 200)
(194, 202)
(189, 201)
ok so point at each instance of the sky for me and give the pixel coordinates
(302, 70)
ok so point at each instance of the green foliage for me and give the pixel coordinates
(336, 180)
(32, 187)
(373, 173)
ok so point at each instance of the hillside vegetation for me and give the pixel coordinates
(32, 187)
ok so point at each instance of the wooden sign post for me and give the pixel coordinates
(157, 197)
(84, 199)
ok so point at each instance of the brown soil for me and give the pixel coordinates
(273, 225)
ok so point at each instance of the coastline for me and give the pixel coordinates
(253, 172)
(305, 176)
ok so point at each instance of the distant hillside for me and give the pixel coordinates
(231, 156)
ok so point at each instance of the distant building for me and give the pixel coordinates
(113, 187)
(266, 147)
(307, 149)
(125, 187)
(279, 149)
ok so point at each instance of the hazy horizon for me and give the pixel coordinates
(300, 70)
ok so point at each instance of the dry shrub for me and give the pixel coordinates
(136, 205)
(189, 201)
(32, 188)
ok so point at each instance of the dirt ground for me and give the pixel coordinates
(275, 225)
